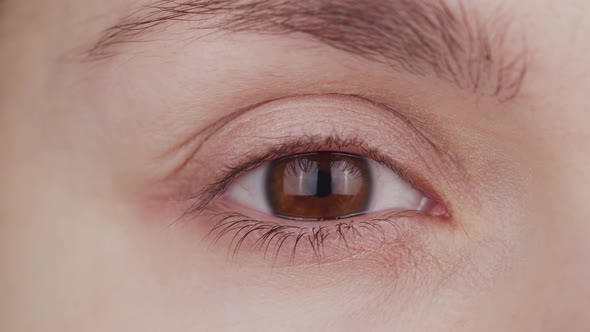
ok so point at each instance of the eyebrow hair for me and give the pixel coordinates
(420, 37)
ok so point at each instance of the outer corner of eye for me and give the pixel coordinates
(391, 191)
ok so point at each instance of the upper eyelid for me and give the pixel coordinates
(202, 137)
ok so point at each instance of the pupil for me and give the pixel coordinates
(324, 184)
(318, 186)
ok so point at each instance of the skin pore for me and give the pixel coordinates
(125, 126)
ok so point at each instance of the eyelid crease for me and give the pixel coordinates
(210, 129)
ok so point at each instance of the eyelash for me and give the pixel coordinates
(272, 235)
(243, 227)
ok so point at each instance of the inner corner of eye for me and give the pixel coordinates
(324, 186)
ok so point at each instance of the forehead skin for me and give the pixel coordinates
(71, 261)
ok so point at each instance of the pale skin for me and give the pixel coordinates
(96, 156)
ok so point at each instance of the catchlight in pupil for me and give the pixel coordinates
(319, 186)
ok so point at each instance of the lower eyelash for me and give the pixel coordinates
(290, 244)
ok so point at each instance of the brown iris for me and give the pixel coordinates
(319, 186)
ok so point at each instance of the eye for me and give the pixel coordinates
(324, 186)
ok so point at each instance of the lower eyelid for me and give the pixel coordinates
(303, 243)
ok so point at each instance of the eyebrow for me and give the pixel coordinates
(419, 37)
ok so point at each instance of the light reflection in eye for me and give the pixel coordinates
(324, 186)
(318, 186)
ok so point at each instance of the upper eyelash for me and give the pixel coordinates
(308, 143)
